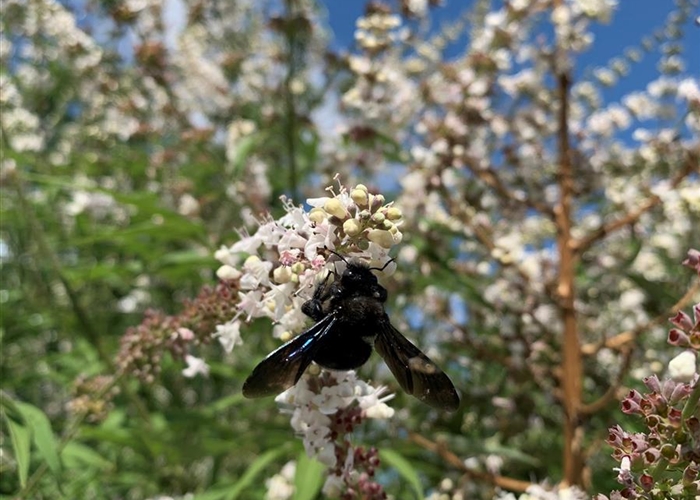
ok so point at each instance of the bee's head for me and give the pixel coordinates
(358, 273)
(358, 277)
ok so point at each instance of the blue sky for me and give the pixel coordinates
(632, 20)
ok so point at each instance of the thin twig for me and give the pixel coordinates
(611, 394)
(452, 459)
(582, 244)
(621, 340)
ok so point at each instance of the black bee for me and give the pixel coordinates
(350, 319)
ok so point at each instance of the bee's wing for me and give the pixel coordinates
(414, 371)
(284, 366)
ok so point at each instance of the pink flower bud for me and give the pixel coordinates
(682, 321)
(678, 338)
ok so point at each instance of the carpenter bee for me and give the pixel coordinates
(350, 320)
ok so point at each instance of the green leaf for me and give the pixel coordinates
(221, 404)
(20, 436)
(309, 478)
(42, 432)
(233, 491)
(9, 407)
(404, 468)
(76, 455)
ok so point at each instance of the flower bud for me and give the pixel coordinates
(682, 368)
(668, 451)
(393, 213)
(336, 208)
(382, 238)
(651, 455)
(652, 383)
(678, 393)
(682, 321)
(646, 481)
(690, 474)
(352, 227)
(678, 338)
(378, 217)
(227, 273)
(359, 196)
(375, 202)
(282, 274)
(317, 215)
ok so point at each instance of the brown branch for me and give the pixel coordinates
(452, 459)
(611, 394)
(621, 340)
(571, 363)
(582, 244)
(485, 238)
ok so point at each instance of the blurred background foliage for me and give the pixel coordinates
(139, 136)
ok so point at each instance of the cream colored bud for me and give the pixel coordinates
(251, 261)
(282, 274)
(382, 238)
(285, 336)
(317, 215)
(683, 367)
(227, 273)
(393, 213)
(352, 227)
(387, 225)
(336, 208)
(360, 197)
(361, 187)
(298, 268)
(378, 217)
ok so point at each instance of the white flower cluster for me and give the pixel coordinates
(538, 492)
(377, 31)
(323, 414)
(383, 95)
(281, 485)
(283, 258)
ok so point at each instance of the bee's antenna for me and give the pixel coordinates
(383, 267)
(336, 254)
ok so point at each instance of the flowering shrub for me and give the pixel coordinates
(541, 200)
(664, 460)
